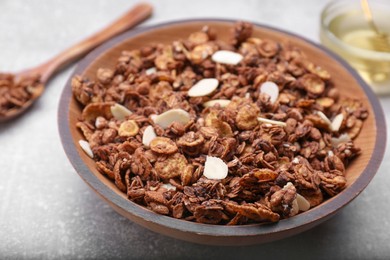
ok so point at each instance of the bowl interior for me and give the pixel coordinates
(344, 78)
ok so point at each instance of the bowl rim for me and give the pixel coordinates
(306, 219)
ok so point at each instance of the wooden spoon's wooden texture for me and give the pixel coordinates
(342, 78)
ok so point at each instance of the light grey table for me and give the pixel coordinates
(46, 210)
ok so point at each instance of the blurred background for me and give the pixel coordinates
(48, 212)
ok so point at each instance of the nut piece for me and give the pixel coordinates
(227, 57)
(148, 135)
(174, 115)
(269, 121)
(85, 146)
(151, 71)
(336, 123)
(120, 112)
(215, 168)
(324, 118)
(220, 102)
(168, 186)
(303, 204)
(128, 128)
(344, 138)
(163, 145)
(271, 89)
(203, 87)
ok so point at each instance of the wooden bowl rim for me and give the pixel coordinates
(300, 221)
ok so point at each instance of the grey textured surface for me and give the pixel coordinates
(46, 210)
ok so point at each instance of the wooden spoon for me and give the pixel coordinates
(46, 70)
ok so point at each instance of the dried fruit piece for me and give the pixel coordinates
(174, 115)
(265, 175)
(325, 102)
(120, 112)
(86, 148)
(220, 102)
(128, 128)
(271, 89)
(313, 84)
(203, 87)
(171, 167)
(163, 145)
(273, 122)
(215, 168)
(227, 57)
(148, 135)
(94, 110)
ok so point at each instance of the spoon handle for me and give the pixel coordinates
(368, 14)
(130, 19)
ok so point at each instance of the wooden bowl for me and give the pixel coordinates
(372, 138)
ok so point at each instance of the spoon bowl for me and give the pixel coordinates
(45, 71)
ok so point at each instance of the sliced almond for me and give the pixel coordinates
(295, 208)
(336, 122)
(269, 121)
(295, 160)
(203, 87)
(151, 71)
(85, 146)
(174, 115)
(303, 204)
(271, 89)
(325, 118)
(120, 112)
(215, 168)
(221, 102)
(227, 57)
(343, 138)
(148, 135)
(168, 186)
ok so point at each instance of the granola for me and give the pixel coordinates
(215, 132)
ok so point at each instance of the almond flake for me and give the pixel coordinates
(215, 168)
(203, 87)
(227, 57)
(295, 208)
(221, 102)
(343, 138)
(174, 115)
(148, 135)
(336, 122)
(271, 89)
(85, 146)
(151, 71)
(303, 204)
(324, 117)
(269, 121)
(120, 112)
(168, 186)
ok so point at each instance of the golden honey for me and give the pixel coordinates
(345, 30)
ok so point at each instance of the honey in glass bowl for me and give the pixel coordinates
(346, 31)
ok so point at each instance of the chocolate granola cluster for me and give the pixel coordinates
(220, 132)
